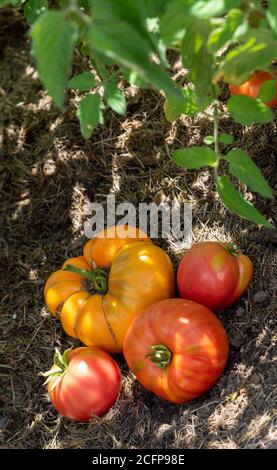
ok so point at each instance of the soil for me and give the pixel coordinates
(48, 174)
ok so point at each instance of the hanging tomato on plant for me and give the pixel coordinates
(97, 295)
(253, 86)
(214, 274)
(177, 349)
(83, 382)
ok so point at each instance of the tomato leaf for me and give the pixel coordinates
(90, 113)
(173, 108)
(209, 8)
(208, 140)
(246, 110)
(268, 90)
(109, 38)
(234, 201)
(232, 27)
(33, 9)
(53, 42)
(257, 51)
(245, 169)
(114, 97)
(271, 14)
(196, 56)
(225, 139)
(82, 82)
(195, 157)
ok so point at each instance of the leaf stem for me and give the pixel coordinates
(215, 117)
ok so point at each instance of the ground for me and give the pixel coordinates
(48, 173)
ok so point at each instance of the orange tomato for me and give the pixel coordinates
(253, 85)
(97, 295)
(177, 349)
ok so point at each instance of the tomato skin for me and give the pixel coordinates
(253, 85)
(210, 275)
(139, 273)
(196, 339)
(90, 385)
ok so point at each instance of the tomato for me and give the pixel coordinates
(97, 295)
(177, 349)
(83, 382)
(214, 274)
(253, 85)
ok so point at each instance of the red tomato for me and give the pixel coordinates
(83, 382)
(252, 87)
(214, 274)
(177, 349)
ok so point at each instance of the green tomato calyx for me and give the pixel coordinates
(160, 355)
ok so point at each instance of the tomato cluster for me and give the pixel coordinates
(120, 296)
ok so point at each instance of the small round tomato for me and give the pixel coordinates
(177, 349)
(83, 382)
(214, 274)
(253, 85)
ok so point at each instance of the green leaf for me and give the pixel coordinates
(134, 13)
(271, 14)
(245, 169)
(256, 53)
(82, 82)
(208, 140)
(53, 43)
(196, 56)
(268, 90)
(246, 110)
(234, 201)
(209, 8)
(133, 78)
(173, 23)
(195, 157)
(114, 97)
(109, 38)
(11, 2)
(225, 139)
(34, 8)
(90, 113)
(174, 108)
(233, 26)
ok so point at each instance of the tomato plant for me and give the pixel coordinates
(177, 349)
(214, 274)
(98, 294)
(260, 82)
(218, 37)
(83, 382)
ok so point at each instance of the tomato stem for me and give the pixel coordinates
(61, 362)
(232, 248)
(98, 276)
(160, 355)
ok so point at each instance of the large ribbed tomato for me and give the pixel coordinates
(97, 295)
(253, 85)
(83, 382)
(214, 274)
(177, 349)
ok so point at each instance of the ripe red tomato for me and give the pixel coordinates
(214, 274)
(253, 85)
(177, 349)
(83, 382)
